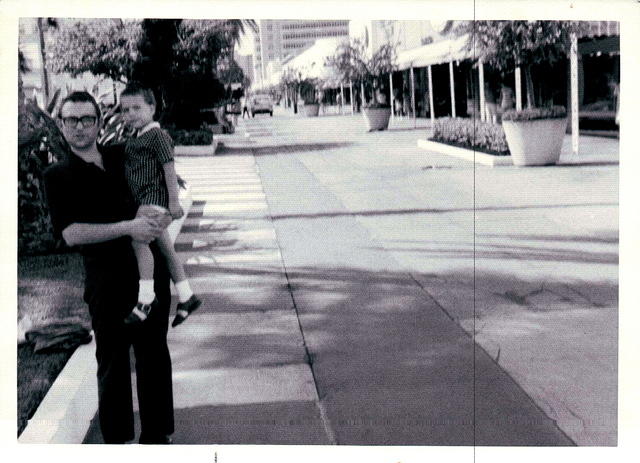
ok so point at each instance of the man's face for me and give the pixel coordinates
(80, 135)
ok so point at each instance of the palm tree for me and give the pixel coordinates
(234, 29)
(43, 25)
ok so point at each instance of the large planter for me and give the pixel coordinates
(311, 109)
(536, 142)
(377, 118)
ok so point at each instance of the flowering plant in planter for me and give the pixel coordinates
(535, 135)
(532, 114)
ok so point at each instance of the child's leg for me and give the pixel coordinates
(176, 270)
(146, 294)
(188, 301)
(168, 251)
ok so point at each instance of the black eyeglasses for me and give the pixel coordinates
(86, 121)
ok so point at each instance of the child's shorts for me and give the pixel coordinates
(159, 213)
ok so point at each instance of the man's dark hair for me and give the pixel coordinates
(80, 97)
(136, 88)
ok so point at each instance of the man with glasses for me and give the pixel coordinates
(90, 208)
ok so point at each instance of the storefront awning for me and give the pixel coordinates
(311, 62)
(435, 53)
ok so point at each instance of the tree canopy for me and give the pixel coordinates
(186, 62)
(102, 47)
(353, 63)
(509, 44)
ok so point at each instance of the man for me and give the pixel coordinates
(90, 208)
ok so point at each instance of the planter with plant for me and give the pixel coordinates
(309, 94)
(535, 135)
(532, 46)
(354, 64)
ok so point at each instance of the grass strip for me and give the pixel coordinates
(50, 290)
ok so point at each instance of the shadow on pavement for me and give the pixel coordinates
(279, 149)
(431, 211)
(392, 364)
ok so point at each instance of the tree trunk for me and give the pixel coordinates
(531, 95)
(45, 76)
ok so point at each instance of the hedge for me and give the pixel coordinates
(472, 134)
(190, 137)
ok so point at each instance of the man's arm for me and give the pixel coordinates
(140, 229)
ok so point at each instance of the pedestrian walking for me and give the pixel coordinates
(90, 207)
(245, 109)
(151, 175)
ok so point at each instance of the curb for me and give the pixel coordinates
(65, 413)
(466, 154)
(197, 150)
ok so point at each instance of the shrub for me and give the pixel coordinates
(40, 144)
(532, 114)
(202, 136)
(471, 133)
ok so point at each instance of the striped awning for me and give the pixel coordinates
(311, 62)
(444, 51)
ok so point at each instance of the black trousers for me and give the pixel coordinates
(111, 290)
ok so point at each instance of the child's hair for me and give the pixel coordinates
(135, 88)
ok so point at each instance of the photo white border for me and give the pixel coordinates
(625, 11)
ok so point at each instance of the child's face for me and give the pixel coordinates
(136, 112)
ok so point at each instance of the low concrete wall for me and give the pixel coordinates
(462, 153)
(64, 415)
(197, 150)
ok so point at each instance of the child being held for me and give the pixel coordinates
(152, 179)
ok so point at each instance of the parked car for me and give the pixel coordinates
(260, 103)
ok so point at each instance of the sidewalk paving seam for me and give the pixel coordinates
(326, 423)
(494, 360)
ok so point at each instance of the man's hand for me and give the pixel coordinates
(175, 209)
(144, 229)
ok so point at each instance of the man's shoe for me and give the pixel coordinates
(155, 440)
(139, 313)
(184, 309)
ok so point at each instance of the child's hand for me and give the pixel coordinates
(176, 210)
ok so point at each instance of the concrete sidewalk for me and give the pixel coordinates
(347, 275)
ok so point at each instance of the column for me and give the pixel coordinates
(431, 106)
(341, 96)
(453, 91)
(575, 123)
(518, 89)
(413, 92)
(351, 97)
(393, 109)
(483, 115)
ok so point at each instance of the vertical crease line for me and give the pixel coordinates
(474, 240)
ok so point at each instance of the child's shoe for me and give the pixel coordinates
(184, 309)
(139, 313)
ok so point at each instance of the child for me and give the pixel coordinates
(151, 176)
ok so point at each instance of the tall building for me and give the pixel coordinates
(406, 34)
(246, 63)
(278, 40)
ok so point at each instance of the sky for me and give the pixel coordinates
(245, 46)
